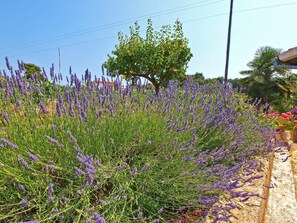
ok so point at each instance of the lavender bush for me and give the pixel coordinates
(83, 152)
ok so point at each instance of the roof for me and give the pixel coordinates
(106, 83)
(289, 56)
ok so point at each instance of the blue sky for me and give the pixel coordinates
(86, 31)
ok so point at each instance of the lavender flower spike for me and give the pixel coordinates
(72, 138)
(294, 111)
(144, 168)
(23, 162)
(6, 117)
(160, 211)
(134, 172)
(53, 141)
(8, 143)
(78, 171)
(50, 198)
(49, 167)
(51, 188)
(21, 187)
(24, 203)
(33, 157)
(55, 211)
(98, 218)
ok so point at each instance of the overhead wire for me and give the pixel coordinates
(110, 25)
(186, 21)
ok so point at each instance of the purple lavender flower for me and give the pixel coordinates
(65, 199)
(24, 203)
(90, 179)
(100, 112)
(139, 215)
(89, 209)
(208, 201)
(160, 211)
(49, 167)
(294, 111)
(21, 187)
(51, 188)
(7, 63)
(21, 65)
(84, 116)
(52, 72)
(44, 74)
(134, 172)
(42, 107)
(78, 171)
(55, 211)
(8, 143)
(58, 109)
(50, 198)
(53, 141)
(144, 168)
(6, 117)
(33, 157)
(97, 217)
(23, 162)
(54, 127)
(72, 138)
(77, 149)
(100, 220)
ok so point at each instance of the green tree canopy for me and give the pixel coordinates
(197, 77)
(32, 69)
(263, 80)
(160, 56)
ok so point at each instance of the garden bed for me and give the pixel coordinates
(127, 155)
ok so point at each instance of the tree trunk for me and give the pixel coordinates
(152, 80)
(156, 85)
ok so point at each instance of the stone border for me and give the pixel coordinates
(266, 187)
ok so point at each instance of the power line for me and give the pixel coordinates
(240, 11)
(67, 45)
(111, 25)
(187, 21)
(265, 7)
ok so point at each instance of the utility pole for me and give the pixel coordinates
(228, 42)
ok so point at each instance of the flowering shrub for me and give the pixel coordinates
(284, 121)
(112, 154)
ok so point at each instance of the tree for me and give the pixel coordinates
(197, 77)
(159, 57)
(263, 80)
(31, 70)
(214, 80)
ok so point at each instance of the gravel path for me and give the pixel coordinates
(282, 205)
